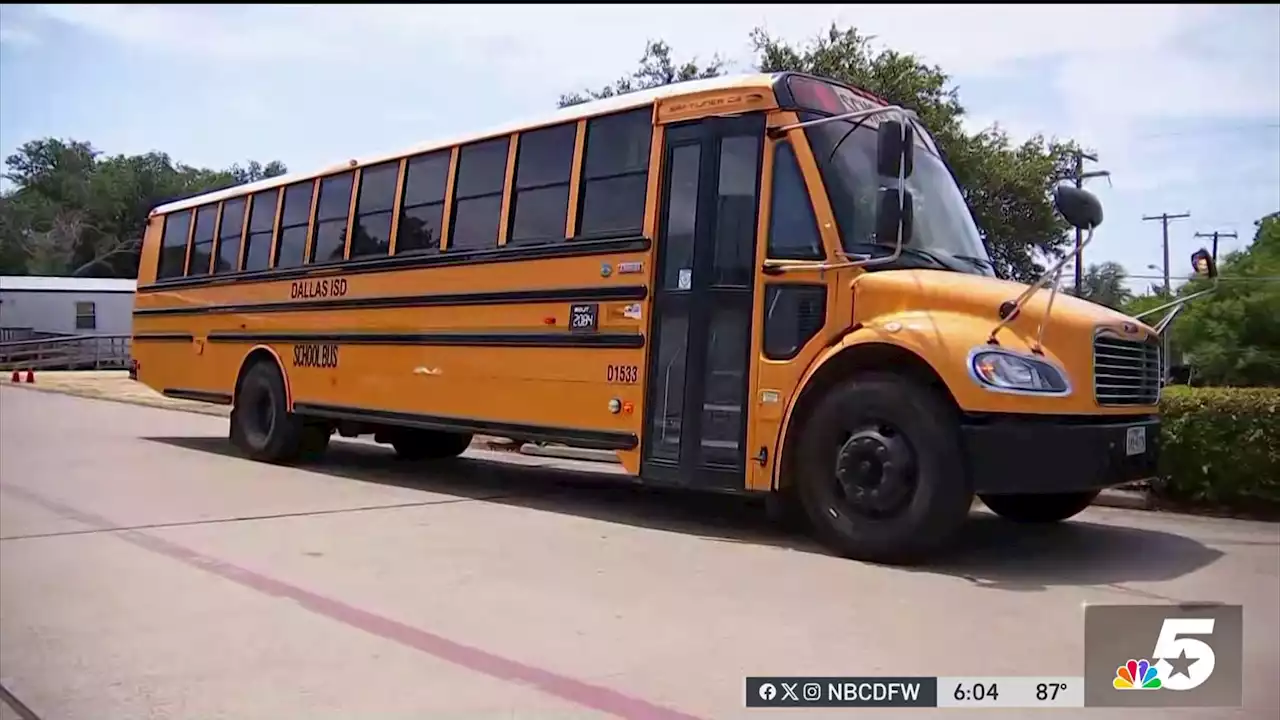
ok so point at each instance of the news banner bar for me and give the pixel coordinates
(978, 692)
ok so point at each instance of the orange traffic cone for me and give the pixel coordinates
(15, 377)
(31, 377)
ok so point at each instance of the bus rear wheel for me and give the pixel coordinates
(1040, 508)
(262, 426)
(412, 445)
(879, 470)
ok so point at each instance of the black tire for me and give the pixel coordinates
(414, 445)
(886, 425)
(1040, 508)
(261, 425)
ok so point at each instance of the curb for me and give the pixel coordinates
(1124, 499)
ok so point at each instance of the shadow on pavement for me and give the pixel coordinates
(990, 552)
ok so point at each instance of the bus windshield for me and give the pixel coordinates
(944, 235)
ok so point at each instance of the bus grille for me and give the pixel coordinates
(1126, 372)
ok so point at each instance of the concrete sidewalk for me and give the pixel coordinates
(115, 385)
(110, 385)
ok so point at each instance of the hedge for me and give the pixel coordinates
(1220, 448)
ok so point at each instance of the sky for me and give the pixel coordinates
(1180, 102)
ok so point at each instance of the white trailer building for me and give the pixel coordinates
(35, 306)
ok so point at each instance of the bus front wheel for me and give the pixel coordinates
(262, 426)
(879, 470)
(1040, 508)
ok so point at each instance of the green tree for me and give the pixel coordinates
(657, 68)
(1005, 184)
(1104, 284)
(72, 211)
(1232, 336)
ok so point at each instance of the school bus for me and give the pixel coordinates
(764, 284)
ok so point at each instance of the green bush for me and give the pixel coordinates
(1221, 448)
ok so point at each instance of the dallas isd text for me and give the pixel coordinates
(842, 692)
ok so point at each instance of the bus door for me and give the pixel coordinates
(699, 365)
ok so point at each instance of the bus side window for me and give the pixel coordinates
(262, 218)
(615, 173)
(422, 208)
(793, 228)
(173, 245)
(477, 208)
(329, 239)
(202, 240)
(544, 162)
(374, 204)
(229, 233)
(294, 218)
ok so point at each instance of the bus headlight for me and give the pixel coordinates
(1004, 371)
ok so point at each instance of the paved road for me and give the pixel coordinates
(145, 572)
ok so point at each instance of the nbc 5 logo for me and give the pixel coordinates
(1183, 662)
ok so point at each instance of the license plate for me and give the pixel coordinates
(1135, 441)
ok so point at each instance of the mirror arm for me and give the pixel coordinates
(1044, 321)
(1164, 322)
(1034, 288)
(1175, 303)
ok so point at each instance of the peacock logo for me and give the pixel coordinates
(1136, 675)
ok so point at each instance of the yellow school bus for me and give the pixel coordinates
(763, 284)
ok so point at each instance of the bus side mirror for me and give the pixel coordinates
(1203, 263)
(890, 212)
(895, 149)
(1078, 206)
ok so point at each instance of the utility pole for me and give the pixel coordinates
(1215, 235)
(1079, 176)
(1164, 219)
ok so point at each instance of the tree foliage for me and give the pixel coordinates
(74, 211)
(1005, 184)
(656, 69)
(1104, 284)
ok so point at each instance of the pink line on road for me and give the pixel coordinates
(566, 688)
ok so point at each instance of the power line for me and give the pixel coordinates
(1233, 278)
(1215, 235)
(1164, 219)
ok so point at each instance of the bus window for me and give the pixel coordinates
(615, 174)
(793, 228)
(374, 204)
(202, 240)
(734, 263)
(294, 218)
(482, 171)
(329, 241)
(422, 209)
(544, 162)
(229, 233)
(173, 245)
(262, 218)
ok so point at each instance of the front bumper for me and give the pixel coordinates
(1053, 455)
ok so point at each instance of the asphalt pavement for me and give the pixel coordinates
(146, 571)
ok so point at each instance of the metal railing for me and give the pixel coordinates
(73, 352)
(16, 334)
